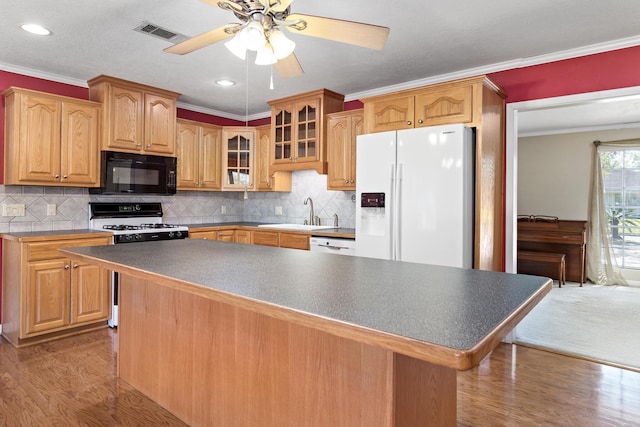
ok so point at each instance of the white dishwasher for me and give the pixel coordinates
(333, 245)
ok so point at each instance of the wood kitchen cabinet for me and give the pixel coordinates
(238, 153)
(298, 130)
(447, 103)
(137, 118)
(343, 129)
(243, 236)
(203, 234)
(198, 148)
(478, 103)
(265, 179)
(51, 139)
(47, 296)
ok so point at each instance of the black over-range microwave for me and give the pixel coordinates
(129, 173)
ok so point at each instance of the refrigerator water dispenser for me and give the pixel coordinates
(372, 213)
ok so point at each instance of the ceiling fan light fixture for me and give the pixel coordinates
(266, 56)
(282, 46)
(253, 36)
(237, 47)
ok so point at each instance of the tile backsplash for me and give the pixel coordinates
(186, 207)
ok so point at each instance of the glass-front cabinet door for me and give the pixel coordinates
(239, 158)
(283, 134)
(306, 137)
(295, 132)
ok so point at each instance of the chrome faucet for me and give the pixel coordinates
(312, 216)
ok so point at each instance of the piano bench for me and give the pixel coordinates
(543, 264)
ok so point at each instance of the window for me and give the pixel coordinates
(621, 182)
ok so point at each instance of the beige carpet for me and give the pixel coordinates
(595, 322)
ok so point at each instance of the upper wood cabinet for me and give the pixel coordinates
(446, 103)
(343, 129)
(265, 179)
(298, 130)
(51, 139)
(137, 118)
(476, 102)
(238, 154)
(198, 148)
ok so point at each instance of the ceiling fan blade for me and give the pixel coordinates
(356, 33)
(289, 67)
(200, 41)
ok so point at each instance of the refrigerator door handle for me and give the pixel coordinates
(398, 214)
(391, 213)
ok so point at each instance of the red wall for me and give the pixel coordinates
(603, 71)
(592, 73)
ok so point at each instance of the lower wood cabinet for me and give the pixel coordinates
(254, 236)
(46, 296)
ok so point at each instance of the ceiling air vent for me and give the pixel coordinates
(159, 32)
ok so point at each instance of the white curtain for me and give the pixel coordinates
(602, 268)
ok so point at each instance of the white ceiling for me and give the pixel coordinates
(428, 42)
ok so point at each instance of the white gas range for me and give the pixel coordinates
(132, 223)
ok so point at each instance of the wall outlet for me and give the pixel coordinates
(13, 209)
(223, 209)
(51, 209)
(279, 210)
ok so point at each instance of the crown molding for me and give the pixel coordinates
(42, 75)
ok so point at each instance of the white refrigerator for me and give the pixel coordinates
(415, 195)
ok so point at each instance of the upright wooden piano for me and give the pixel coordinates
(549, 234)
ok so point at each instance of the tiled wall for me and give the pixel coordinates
(186, 207)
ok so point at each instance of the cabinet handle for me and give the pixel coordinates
(65, 176)
(409, 123)
(352, 181)
(56, 176)
(138, 145)
(66, 267)
(75, 265)
(420, 121)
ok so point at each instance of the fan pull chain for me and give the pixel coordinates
(246, 96)
(271, 81)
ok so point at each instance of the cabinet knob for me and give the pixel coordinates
(66, 267)
(420, 121)
(409, 123)
(65, 176)
(352, 181)
(56, 176)
(138, 145)
(75, 265)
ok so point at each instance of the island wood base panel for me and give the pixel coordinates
(211, 363)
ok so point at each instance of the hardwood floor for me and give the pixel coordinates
(71, 382)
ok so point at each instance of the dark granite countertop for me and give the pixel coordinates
(447, 307)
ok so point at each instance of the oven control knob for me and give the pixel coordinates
(126, 237)
(178, 234)
(137, 207)
(171, 235)
(137, 236)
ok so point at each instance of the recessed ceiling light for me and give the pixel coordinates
(35, 29)
(225, 82)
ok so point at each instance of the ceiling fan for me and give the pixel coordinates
(259, 30)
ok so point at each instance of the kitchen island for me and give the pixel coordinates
(237, 335)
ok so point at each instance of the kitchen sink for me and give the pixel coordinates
(296, 226)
